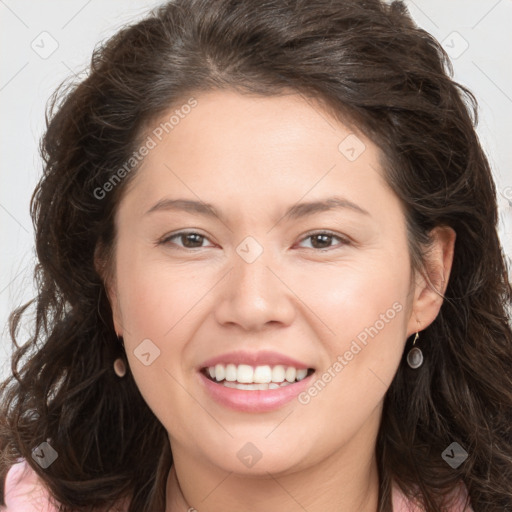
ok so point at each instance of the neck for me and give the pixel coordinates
(343, 482)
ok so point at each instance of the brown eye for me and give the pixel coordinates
(323, 240)
(188, 239)
(192, 240)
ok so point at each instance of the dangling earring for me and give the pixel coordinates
(119, 366)
(415, 355)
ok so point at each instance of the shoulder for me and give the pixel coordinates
(457, 501)
(25, 491)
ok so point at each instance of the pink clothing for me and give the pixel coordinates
(24, 492)
(457, 501)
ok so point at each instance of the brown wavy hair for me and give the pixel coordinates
(369, 65)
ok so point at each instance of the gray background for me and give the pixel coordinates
(44, 42)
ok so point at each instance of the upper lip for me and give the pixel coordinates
(263, 357)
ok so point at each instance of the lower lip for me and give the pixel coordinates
(254, 400)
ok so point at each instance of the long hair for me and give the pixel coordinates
(368, 64)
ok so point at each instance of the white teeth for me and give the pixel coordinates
(231, 372)
(291, 373)
(259, 375)
(244, 374)
(254, 387)
(220, 372)
(278, 373)
(301, 374)
(262, 374)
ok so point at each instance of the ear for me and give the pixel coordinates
(103, 269)
(432, 282)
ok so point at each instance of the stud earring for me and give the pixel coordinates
(119, 365)
(415, 355)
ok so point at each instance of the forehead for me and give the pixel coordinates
(226, 117)
(248, 134)
(269, 149)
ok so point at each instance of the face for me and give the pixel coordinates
(324, 289)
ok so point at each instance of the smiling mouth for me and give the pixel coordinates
(279, 377)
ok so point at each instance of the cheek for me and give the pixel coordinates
(351, 295)
(153, 296)
(360, 310)
(155, 303)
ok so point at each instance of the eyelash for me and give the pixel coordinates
(167, 239)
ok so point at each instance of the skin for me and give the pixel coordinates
(252, 157)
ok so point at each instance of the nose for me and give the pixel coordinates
(255, 294)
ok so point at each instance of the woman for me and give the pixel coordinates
(270, 276)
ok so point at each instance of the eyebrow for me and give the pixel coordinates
(296, 211)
